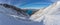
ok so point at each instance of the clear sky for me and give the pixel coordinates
(28, 3)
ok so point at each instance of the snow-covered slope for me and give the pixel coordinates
(9, 16)
(49, 15)
(13, 11)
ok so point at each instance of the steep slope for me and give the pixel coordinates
(51, 12)
(13, 11)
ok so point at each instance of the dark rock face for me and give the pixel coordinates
(12, 7)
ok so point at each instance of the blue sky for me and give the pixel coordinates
(29, 3)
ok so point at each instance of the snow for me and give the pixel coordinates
(49, 15)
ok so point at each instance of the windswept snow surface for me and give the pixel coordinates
(49, 15)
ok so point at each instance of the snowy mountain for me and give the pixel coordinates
(11, 15)
(12, 11)
(49, 15)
